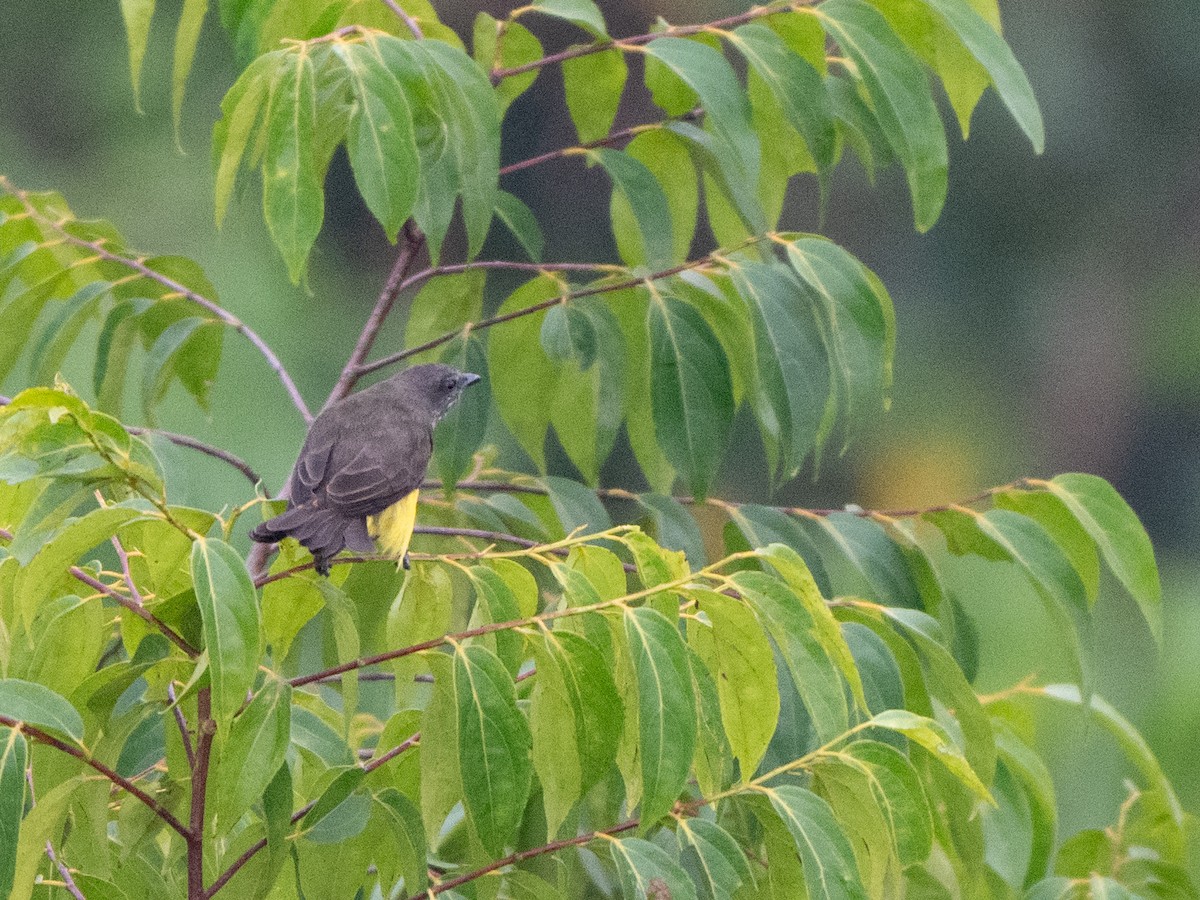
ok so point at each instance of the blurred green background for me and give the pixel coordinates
(1050, 322)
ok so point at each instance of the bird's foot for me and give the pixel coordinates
(405, 563)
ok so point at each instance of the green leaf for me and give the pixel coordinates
(1132, 744)
(994, 54)
(33, 704)
(441, 785)
(1053, 515)
(380, 139)
(293, 189)
(639, 188)
(675, 528)
(493, 747)
(745, 676)
(691, 392)
(518, 219)
(331, 806)
(828, 860)
(1027, 769)
(507, 45)
(240, 120)
(408, 832)
(137, 15)
(514, 366)
(252, 753)
(1119, 535)
(444, 304)
(900, 95)
(799, 639)
(41, 824)
(468, 111)
(666, 712)
(793, 375)
(575, 718)
(726, 109)
(567, 333)
(930, 735)
(645, 870)
(583, 13)
(795, 84)
(897, 790)
(13, 757)
(872, 552)
(233, 637)
(593, 85)
(47, 572)
(187, 34)
(799, 578)
(856, 318)
(496, 603)
(713, 858)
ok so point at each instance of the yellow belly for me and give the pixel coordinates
(393, 527)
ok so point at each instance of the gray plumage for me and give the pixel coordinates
(363, 453)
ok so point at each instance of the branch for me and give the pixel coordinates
(138, 610)
(123, 783)
(607, 141)
(639, 40)
(413, 240)
(183, 440)
(184, 736)
(137, 265)
(492, 627)
(576, 841)
(546, 304)
(205, 727)
(424, 275)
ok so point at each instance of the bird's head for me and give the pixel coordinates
(437, 384)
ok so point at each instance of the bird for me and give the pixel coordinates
(360, 469)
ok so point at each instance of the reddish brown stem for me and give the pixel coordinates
(205, 727)
(123, 783)
(138, 610)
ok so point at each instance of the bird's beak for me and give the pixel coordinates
(467, 379)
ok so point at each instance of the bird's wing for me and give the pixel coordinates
(380, 472)
(313, 463)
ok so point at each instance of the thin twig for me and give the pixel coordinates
(412, 240)
(608, 140)
(184, 734)
(134, 593)
(408, 20)
(183, 440)
(523, 855)
(641, 39)
(68, 881)
(492, 627)
(393, 358)
(137, 265)
(138, 610)
(123, 783)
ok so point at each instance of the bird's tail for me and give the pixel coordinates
(323, 531)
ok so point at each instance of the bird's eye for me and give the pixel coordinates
(448, 385)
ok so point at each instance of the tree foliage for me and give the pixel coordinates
(572, 707)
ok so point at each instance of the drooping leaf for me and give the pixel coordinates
(641, 191)
(380, 139)
(901, 97)
(665, 712)
(593, 85)
(674, 527)
(745, 676)
(293, 189)
(691, 392)
(713, 858)
(930, 735)
(575, 718)
(518, 219)
(583, 13)
(645, 870)
(14, 752)
(252, 754)
(137, 15)
(828, 860)
(232, 624)
(997, 58)
(408, 833)
(1118, 534)
(493, 747)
